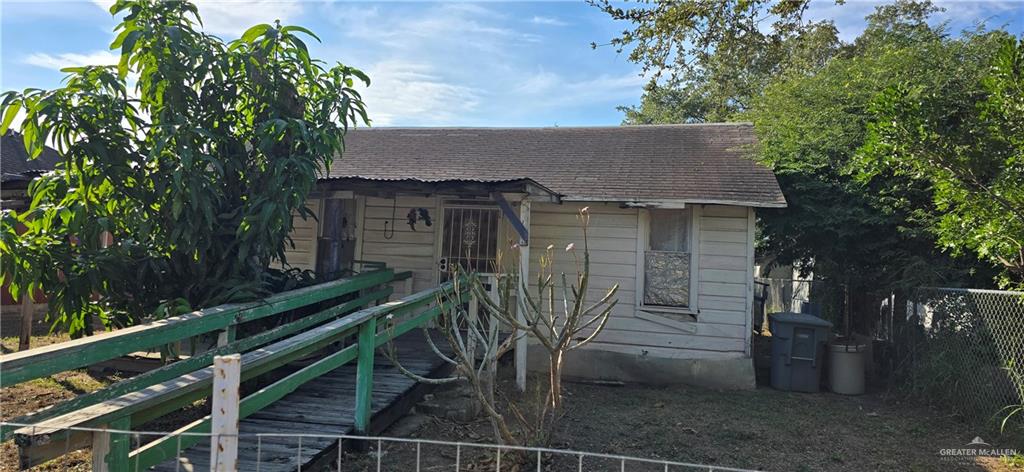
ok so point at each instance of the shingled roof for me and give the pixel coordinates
(699, 163)
(15, 164)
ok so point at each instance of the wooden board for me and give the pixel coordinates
(324, 406)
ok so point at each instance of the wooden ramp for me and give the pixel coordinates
(324, 406)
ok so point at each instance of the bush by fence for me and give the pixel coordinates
(965, 352)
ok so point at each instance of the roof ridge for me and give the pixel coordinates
(524, 128)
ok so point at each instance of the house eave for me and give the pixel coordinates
(526, 187)
(675, 203)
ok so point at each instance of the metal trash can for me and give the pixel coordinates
(846, 367)
(798, 350)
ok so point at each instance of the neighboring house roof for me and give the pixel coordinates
(15, 164)
(698, 163)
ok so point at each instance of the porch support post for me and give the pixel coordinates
(524, 274)
(520, 225)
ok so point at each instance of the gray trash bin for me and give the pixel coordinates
(798, 350)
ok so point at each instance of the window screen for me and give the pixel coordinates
(667, 259)
(670, 230)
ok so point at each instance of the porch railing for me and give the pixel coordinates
(148, 396)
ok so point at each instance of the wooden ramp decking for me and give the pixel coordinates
(324, 406)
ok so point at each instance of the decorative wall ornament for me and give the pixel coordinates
(418, 214)
(469, 233)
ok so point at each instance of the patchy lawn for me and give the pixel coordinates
(763, 429)
(30, 396)
(35, 394)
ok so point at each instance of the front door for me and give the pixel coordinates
(335, 249)
(469, 239)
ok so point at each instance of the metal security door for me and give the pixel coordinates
(469, 239)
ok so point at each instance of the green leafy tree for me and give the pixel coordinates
(714, 57)
(809, 97)
(865, 232)
(965, 140)
(179, 191)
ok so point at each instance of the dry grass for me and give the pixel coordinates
(30, 396)
(35, 394)
(10, 344)
(763, 429)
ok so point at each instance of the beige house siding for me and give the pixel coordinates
(725, 265)
(724, 255)
(406, 249)
(612, 242)
(722, 270)
(304, 235)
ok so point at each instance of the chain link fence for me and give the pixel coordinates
(964, 350)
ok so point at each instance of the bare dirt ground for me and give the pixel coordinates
(33, 395)
(763, 429)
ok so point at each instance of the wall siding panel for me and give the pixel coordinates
(407, 249)
(304, 235)
(721, 267)
(724, 268)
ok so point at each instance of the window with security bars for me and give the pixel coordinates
(667, 259)
(469, 239)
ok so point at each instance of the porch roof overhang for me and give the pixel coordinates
(527, 188)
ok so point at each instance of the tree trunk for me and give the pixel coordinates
(555, 374)
(27, 307)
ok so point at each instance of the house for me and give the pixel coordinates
(17, 169)
(672, 222)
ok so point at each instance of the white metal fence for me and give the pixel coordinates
(967, 351)
(406, 454)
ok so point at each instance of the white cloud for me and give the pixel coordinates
(430, 67)
(969, 13)
(232, 17)
(447, 25)
(848, 17)
(552, 91)
(548, 21)
(62, 60)
(458, 64)
(413, 94)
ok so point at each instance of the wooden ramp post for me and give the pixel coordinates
(364, 374)
(110, 449)
(227, 374)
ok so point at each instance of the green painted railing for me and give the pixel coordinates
(41, 362)
(156, 393)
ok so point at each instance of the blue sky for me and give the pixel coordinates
(433, 64)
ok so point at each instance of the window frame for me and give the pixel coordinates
(642, 245)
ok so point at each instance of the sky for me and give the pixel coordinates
(432, 64)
